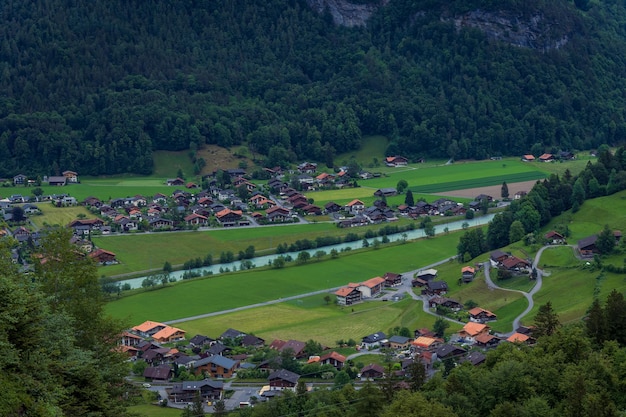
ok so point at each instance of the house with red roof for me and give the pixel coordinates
(333, 358)
(472, 330)
(396, 161)
(348, 295)
(480, 315)
(528, 158)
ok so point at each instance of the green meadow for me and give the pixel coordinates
(57, 216)
(226, 291)
(482, 173)
(300, 320)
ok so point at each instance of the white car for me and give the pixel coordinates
(146, 385)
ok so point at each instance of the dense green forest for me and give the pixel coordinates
(58, 349)
(97, 86)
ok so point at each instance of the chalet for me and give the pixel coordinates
(125, 223)
(231, 333)
(373, 370)
(565, 155)
(445, 302)
(355, 207)
(185, 392)
(386, 192)
(475, 358)
(471, 330)
(217, 366)
(252, 341)
(307, 168)
(555, 238)
(159, 332)
(513, 263)
(519, 195)
(103, 257)
(435, 288)
(481, 197)
(30, 209)
(84, 226)
(372, 287)
(528, 158)
(480, 315)
(486, 340)
(175, 182)
(71, 176)
(20, 179)
(396, 161)
(392, 279)
(520, 338)
(283, 379)
(427, 275)
(236, 172)
(200, 340)
(332, 207)
(587, 246)
(467, 273)
(354, 222)
(348, 295)
(228, 217)
(158, 373)
(196, 220)
(373, 340)
(296, 346)
(546, 157)
(160, 223)
(278, 214)
(58, 181)
(219, 349)
(333, 358)
(497, 256)
(425, 343)
(447, 351)
(399, 342)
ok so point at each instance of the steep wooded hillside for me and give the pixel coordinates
(97, 86)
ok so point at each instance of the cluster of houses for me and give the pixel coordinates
(355, 293)
(215, 359)
(548, 157)
(66, 177)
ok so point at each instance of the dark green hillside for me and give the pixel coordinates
(97, 86)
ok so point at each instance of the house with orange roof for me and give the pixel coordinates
(228, 217)
(396, 161)
(472, 330)
(348, 295)
(424, 343)
(520, 338)
(479, 315)
(169, 334)
(333, 358)
(355, 206)
(467, 273)
(148, 328)
(372, 287)
(528, 158)
(546, 157)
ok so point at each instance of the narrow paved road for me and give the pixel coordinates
(528, 295)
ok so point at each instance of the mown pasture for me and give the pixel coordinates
(226, 291)
(300, 320)
(57, 216)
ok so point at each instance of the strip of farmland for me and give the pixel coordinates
(477, 182)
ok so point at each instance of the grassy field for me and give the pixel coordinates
(271, 284)
(139, 252)
(61, 216)
(371, 147)
(421, 175)
(300, 320)
(150, 410)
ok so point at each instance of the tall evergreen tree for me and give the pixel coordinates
(546, 321)
(408, 199)
(504, 190)
(596, 323)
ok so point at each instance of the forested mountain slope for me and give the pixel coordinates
(97, 86)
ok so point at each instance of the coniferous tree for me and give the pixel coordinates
(546, 321)
(504, 190)
(596, 323)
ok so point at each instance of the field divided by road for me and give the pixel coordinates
(477, 182)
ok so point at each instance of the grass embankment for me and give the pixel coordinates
(198, 296)
(371, 154)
